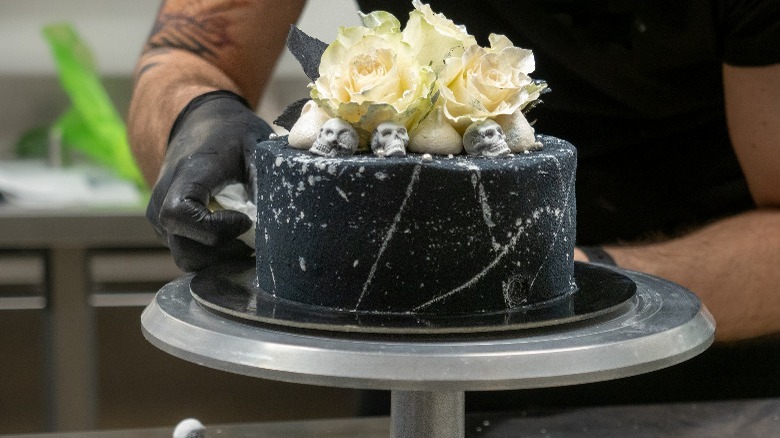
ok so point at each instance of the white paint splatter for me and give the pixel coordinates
(560, 219)
(505, 251)
(487, 213)
(342, 193)
(390, 231)
(270, 264)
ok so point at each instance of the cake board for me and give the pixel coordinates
(660, 325)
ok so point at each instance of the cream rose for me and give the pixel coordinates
(485, 83)
(369, 75)
(435, 36)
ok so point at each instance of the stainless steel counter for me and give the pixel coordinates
(65, 237)
(87, 227)
(742, 418)
(339, 428)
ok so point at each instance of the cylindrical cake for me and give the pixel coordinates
(413, 234)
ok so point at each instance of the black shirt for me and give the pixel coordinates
(637, 87)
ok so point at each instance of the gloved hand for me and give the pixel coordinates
(210, 146)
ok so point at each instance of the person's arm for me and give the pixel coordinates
(196, 47)
(733, 265)
(191, 123)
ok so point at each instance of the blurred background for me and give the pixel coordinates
(77, 271)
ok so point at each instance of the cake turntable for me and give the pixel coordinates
(622, 323)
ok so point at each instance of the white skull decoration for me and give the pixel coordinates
(389, 139)
(336, 137)
(485, 138)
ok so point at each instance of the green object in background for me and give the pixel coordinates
(92, 125)
(33, 144)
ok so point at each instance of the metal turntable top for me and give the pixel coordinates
(661, 325)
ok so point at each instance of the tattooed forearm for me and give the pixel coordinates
(199, 27)
(202, 37)
(146, 67)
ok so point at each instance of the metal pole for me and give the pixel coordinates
(427, 414)
(70, 331)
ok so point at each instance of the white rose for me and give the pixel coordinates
(369, 75)
(435, 36)
(487, 82)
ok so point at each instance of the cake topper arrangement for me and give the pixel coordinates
(428, 88)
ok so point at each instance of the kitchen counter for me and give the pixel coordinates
(65, 238)
(714, 419)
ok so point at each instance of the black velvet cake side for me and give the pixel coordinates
(406, 234)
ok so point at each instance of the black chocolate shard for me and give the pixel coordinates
(307, 50)
(531, 106)
(291, 114)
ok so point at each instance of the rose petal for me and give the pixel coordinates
(434, 36)
(380, 21)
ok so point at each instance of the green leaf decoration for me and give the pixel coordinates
(92, 125)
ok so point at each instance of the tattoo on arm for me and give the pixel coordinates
(146, 67)
(200, 29)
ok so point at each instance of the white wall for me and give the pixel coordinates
(115, 30)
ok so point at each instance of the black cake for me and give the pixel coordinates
(416, 234)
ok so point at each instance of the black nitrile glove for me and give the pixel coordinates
(210, 146)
